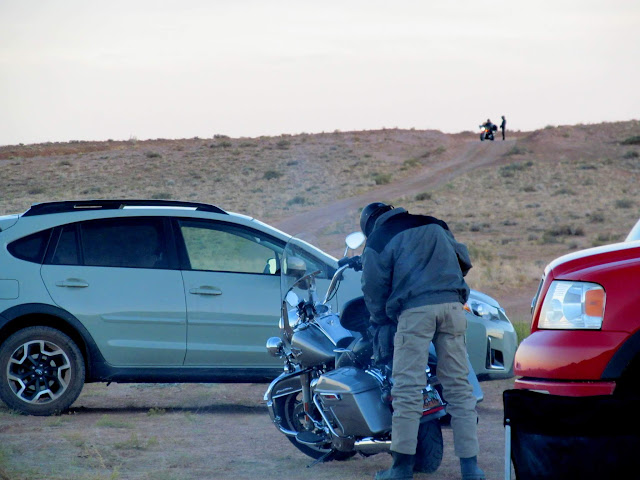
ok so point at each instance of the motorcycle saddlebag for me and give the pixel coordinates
(351, 399)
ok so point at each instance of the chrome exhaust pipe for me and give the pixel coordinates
(370, 446)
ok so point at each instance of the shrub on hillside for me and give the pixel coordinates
(624, 203)
(382, 178)
(272, 175)
(516, 150)
(510, 170)
(283, 144)
(297, 200)
(554, 234)
(635, 140)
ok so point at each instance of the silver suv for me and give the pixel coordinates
(158, 291)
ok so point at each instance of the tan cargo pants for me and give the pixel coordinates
(446, 325)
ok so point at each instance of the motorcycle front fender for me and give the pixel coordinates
(281, 387)
(284, 384)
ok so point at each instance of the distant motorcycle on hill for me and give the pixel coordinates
(486, 131)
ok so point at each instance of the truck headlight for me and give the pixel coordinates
(573, 305)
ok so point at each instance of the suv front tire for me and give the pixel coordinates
(41, 371)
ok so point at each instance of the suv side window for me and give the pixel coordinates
(30, 248)
(133, 242)
(124, 242)
(67, 251)
(226, 248)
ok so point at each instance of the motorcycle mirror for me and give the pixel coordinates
(354, 240)
(292, 299)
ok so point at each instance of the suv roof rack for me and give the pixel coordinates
(83, 205)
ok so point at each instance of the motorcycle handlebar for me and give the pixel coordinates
(352, 262)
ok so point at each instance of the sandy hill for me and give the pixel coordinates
(517, 204)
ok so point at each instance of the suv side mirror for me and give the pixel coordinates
(272, 266)
(295, 266)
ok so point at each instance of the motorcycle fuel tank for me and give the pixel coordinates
(316, 342)
(352, 398)
(312, 346)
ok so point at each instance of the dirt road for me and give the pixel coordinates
(195, 432)
(472, 156)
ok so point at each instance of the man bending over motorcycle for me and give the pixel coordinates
(412, 276)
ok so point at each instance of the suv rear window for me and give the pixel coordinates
(67, 251)
(30, 248)
(114, 242)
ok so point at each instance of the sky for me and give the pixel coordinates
(124, 69)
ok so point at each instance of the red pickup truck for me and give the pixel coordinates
(585, 332)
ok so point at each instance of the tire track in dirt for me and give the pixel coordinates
(474, 155)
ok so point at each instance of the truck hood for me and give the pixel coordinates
(593, 257)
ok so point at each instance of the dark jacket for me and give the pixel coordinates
(411, 261)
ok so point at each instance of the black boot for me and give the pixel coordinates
(470, 469)
(402, 468)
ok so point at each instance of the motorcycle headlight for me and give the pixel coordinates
(275, 347)
(573, 305)
(482, 309)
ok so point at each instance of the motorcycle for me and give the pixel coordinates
(332, 400)
(486, 132)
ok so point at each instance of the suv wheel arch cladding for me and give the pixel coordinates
(19, 317)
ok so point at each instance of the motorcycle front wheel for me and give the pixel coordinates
(430, 447)
(482, 137)
(291, 412)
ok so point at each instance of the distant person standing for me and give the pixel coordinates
(503, 126)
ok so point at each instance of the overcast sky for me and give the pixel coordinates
(117, 69)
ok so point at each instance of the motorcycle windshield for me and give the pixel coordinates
(296, 275)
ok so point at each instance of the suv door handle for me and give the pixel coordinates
(206, 290)
(72, 283)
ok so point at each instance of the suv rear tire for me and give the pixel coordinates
(41, 371)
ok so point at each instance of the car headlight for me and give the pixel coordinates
(573, 305)
(482, 309)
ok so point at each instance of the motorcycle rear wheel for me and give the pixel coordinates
(290, 411)
(430, 448)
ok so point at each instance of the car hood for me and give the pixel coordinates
(483, 297)
(354, 282)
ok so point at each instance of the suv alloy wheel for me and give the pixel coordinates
(41, 371)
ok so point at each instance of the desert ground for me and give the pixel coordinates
(517, 204)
